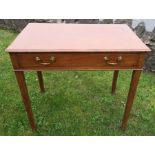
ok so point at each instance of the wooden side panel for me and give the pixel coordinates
(14, 60)
(140, 63)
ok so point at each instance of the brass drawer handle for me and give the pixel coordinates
(52, 59)
(113, 63)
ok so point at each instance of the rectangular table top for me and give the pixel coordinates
(45, 37)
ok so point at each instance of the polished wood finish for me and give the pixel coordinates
(114, 82)
(82, 61)
(24, 93)
(41, 82)
(42, 47)
(131, 95)
(77, 61)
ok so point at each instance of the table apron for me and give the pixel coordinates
(77, 61)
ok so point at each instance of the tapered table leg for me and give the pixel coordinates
(131, 95)
(24, 93)
(114, 82)
(41, 82)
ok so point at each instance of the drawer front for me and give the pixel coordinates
(77, 60)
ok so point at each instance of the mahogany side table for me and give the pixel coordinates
(43, 46)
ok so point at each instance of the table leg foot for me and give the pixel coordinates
(114, 82)
(41, 82)
(131, 95)
(24, 93)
